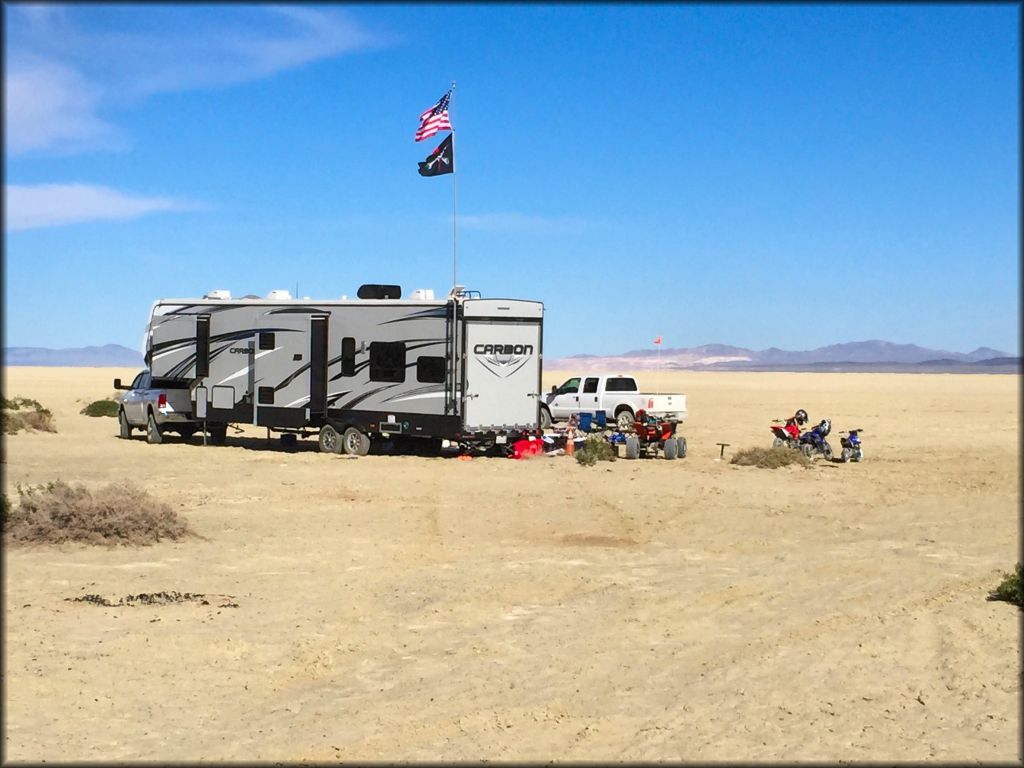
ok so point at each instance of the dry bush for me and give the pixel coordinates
(101, 408)
(770, 458)
(1011, 588)
(595, 449)
(24, 413)
(119, 513)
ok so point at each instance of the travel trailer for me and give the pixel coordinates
(463, 368)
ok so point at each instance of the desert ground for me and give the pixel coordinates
(430, 609)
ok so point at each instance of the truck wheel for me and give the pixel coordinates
(330, 440)
(681, 453)
(218, 433)
(624, 420)
(545, 418)
(153, 435)
(355, 442)
(125, 427)
(671, 448)
(632, 447)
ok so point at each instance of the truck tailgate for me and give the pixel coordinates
(666, 404)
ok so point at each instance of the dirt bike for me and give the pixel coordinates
(787, 435)
(851, 445)
(813, 441)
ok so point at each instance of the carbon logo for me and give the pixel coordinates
(503, 359)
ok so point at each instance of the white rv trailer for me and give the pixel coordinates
(463, 368)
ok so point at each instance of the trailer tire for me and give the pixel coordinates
(218, 433)
(632, 447)
(330, 440)
(153, 436)
(545, 417)
(125, 429)
(681, 453)
(624, 420)
(355, 442)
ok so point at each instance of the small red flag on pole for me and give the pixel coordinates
(658, 340)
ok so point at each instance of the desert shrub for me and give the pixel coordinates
(593, 450)
(24, 413)
(101, 408)
(1011, 589)
(770, 458)
(119, 513)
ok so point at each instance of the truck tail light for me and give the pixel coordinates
(162, 401)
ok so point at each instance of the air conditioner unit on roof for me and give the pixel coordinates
(218, 293)
(279, 294)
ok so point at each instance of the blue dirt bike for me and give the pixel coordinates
(851, 445)
(813, 441)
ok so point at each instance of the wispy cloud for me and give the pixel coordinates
(63, 78)
(48, 205)
(523, 222)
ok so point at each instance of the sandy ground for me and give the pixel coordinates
(430, 609)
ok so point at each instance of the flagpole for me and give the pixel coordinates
(455, 232)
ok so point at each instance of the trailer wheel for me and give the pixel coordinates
(153, 435)
(545, 418)
(624, 420)
(632, 447)
(671, 449)
(681, 453)
(330, 440)
(355, 442)
(125, 427)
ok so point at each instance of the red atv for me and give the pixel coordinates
(650, 434)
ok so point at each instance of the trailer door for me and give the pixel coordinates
(281, 368)
(501, 385)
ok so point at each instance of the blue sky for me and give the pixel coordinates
(755, 175)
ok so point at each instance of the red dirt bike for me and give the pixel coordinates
(787, 435)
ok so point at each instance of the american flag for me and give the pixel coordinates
(435, 119)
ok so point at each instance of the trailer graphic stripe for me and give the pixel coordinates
(360, 398)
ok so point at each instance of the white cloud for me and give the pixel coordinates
(522, 222)
(48, 104)
(48, 205)
(61, 77)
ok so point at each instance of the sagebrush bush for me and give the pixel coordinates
(120, 513)
(593, 450)
(24, 413)
(101, 408)
(1011, 589)
(770, 458)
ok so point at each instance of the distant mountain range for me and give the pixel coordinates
(107, 356)
(853, 356)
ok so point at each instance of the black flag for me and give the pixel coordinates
(441, 160)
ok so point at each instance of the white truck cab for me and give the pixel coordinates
(618, 395)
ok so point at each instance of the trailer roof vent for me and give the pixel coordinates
(219, 293)
(278, 294)
(374, 291)
(423, 294)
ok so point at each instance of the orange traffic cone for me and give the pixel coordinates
(570, 446)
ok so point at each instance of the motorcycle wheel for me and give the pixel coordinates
(846, 454)
(826, 451)
(806, 450)
(778, 442)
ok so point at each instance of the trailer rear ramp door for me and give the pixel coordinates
(502, 368)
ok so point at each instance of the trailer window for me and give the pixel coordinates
(430, 370)
(589, 386)
(387, 361)
(620, 384)
(267, 340)
(348, 356)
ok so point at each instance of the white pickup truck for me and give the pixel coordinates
(617, 395)
(158, 406)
